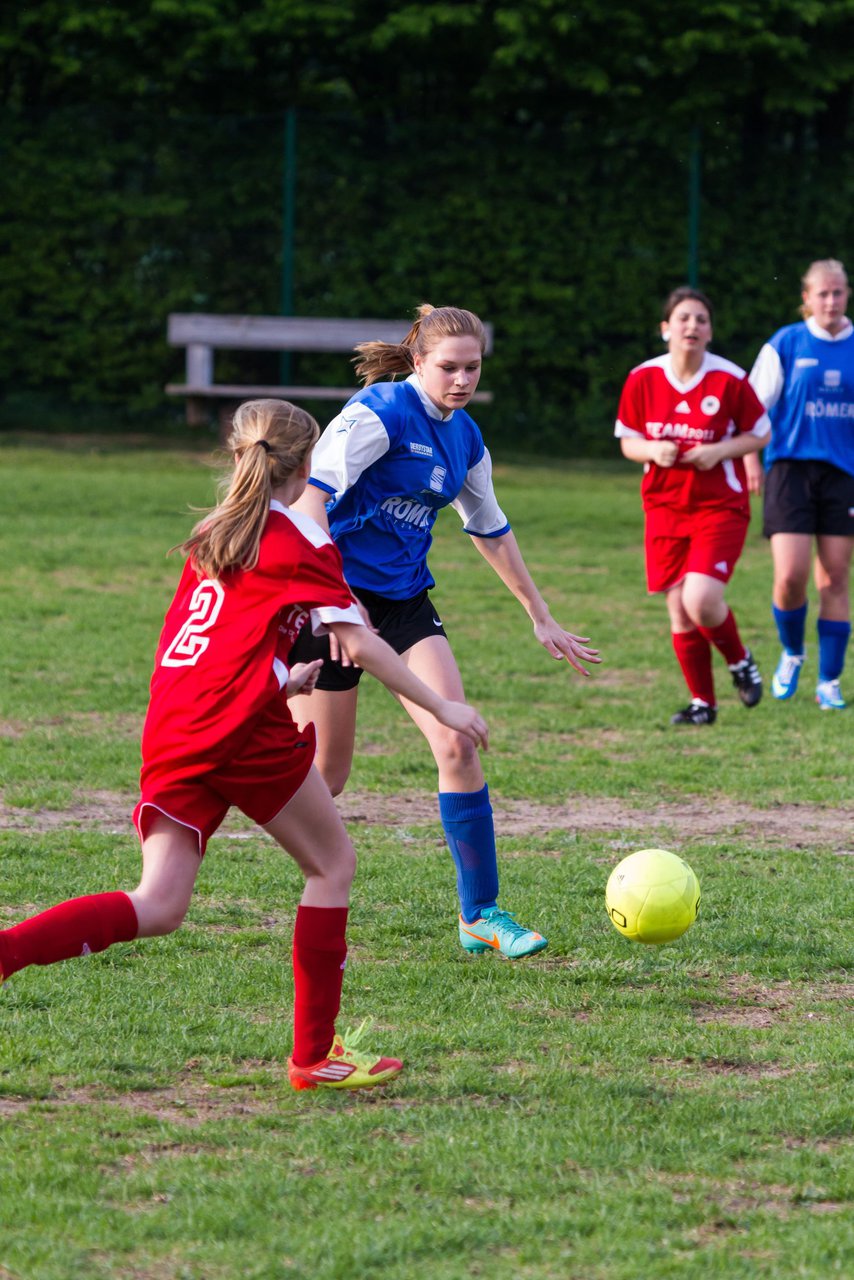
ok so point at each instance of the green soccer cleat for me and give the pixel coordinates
(344, 1068)
(498, 930)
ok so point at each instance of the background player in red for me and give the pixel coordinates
(690, 417)
(219, 733)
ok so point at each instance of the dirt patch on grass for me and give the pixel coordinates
(252, 1088)
(730, 1200)
(699, 820)
(748, 1004)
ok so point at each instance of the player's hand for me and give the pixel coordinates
(337, 651)
(464, 719)
(664, 453)
(755, 473)
(704, 456)
(564, 644)
(302, 677)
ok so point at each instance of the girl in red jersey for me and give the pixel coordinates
(690, 418)
(219, 733)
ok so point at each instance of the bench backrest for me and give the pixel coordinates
(284, 333)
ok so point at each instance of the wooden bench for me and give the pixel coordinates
(201, 335)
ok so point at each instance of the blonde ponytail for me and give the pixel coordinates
(269, 441)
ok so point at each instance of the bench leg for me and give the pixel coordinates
(197, 412)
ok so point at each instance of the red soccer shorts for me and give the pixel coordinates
(259, 779)
(708, 541)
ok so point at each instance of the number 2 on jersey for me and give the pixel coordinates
(190, 642)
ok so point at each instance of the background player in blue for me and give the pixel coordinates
(804, 376)
(396, 454)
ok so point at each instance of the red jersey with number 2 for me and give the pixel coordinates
(224, 647)
(713, 405)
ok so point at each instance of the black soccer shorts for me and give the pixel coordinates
(401, 623)
(808, 497)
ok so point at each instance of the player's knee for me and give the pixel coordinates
(158, 916)
(455, 750)
(336, 869)
(334, 773)
(833, 581)
(790, 586)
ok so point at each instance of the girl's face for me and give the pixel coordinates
(826, 296)
(450, 372)
(689, 328)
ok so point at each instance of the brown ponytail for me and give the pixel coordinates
(382, 361)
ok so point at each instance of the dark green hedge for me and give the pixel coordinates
(543, 189)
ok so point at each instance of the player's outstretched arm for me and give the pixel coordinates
(372, 653)
(504, 556)
(312, 502)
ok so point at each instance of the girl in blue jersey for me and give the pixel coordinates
(804, 375)
(393, 458)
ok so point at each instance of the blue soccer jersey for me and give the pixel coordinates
(390, 462)
(805, 379)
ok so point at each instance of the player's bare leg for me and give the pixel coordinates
(333, 713)
(456, 756)
(833, 575)
(791, 554)
(310, 829)
(170, 864)
(466, 812)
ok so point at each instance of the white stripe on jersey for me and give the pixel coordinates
(309, 528)
(711, 364)
(476, 503)
(320, 618)
(342, 454)
(767, 377)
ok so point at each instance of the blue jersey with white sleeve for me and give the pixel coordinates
(390, 461)
(805, 378)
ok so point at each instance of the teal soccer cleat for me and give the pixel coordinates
(784, 685)
(828, 695)
(497, 930)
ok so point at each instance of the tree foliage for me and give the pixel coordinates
(529, 160)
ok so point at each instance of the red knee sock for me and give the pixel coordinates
(320, 952)
(74, 928)
(694, 656)
(726, 639)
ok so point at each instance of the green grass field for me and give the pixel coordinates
(603, 1112)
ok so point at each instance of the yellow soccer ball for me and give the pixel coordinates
(652, 896)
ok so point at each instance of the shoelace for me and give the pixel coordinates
(504, 920)
(832, 688)
(352, 1037)
(790, 664)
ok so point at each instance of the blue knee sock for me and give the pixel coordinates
(791, 624)
(467, 822)
(832, 643)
